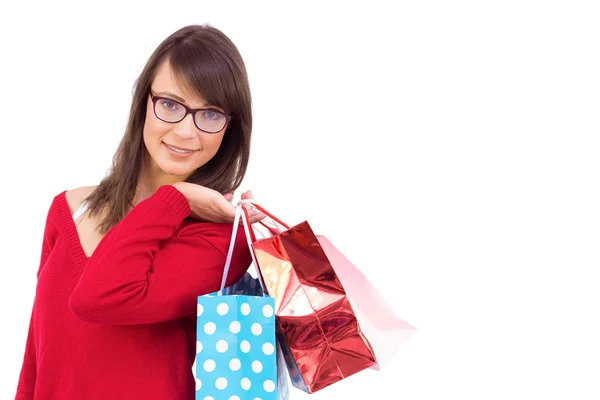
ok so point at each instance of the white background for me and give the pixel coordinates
(449, 149)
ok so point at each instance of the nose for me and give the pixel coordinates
(186, 129)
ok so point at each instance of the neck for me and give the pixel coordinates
(151, 178)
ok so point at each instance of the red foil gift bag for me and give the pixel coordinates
(316, 326)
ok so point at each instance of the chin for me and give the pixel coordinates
(180, 172)
(169, 167)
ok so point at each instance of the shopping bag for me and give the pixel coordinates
(236, 349)
(383, 328)
(317, 328)
(250, 286)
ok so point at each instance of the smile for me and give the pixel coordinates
(179, 150)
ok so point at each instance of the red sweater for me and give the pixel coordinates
(122, 323)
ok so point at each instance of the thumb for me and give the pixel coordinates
(228, 196)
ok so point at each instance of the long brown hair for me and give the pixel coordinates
(207, 63)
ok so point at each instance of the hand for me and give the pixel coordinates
(206, 204)
(253, 214)
(209, 205)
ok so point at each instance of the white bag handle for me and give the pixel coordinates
(278, 225)
(236, 223)
(240, 213)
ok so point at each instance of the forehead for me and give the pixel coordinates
(166, 81)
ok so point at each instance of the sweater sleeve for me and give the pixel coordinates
(28, 374)
(147, 270)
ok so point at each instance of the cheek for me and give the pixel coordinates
(153, 129)
(148, 129)
(212, 143)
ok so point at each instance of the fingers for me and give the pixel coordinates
(257, 217)
(247, 195)
(229, 211)
(209, 205)
(254, 215)
(226, 209)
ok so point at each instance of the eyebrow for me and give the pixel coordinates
(171, 95)
(174, 96)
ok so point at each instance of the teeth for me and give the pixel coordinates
(178, 150)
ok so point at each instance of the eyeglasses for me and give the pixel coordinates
(206, 119)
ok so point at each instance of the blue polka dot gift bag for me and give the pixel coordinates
(237, 357)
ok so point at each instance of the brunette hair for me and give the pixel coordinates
(207, 63)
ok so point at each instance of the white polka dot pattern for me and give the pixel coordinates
(222, 346)
(256, 329)
(210, 365)
(221, 383)
(269, 385)
(267, 311)
(235, 348)
(235, 327)
(256, 366)
(245, 346)
(210, 328)
(235, 364)
(245, 309)
(245, 383)
(222, 309)
(268, 348)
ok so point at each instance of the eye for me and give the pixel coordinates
(169, 105)
(212, 115)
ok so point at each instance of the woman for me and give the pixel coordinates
(122, 264)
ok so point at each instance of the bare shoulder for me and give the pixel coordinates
(76, 196)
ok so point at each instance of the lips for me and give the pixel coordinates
(179, 148)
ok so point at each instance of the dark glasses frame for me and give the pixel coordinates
(188, 111)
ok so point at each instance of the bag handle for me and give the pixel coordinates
(270, 228)
(241, 212)
(273, 231)
(236, 224)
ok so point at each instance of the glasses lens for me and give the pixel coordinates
(169, 110)
(210, 121)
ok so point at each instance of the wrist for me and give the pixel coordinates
(182, 188)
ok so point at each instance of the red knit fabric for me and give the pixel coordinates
(122, 323)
